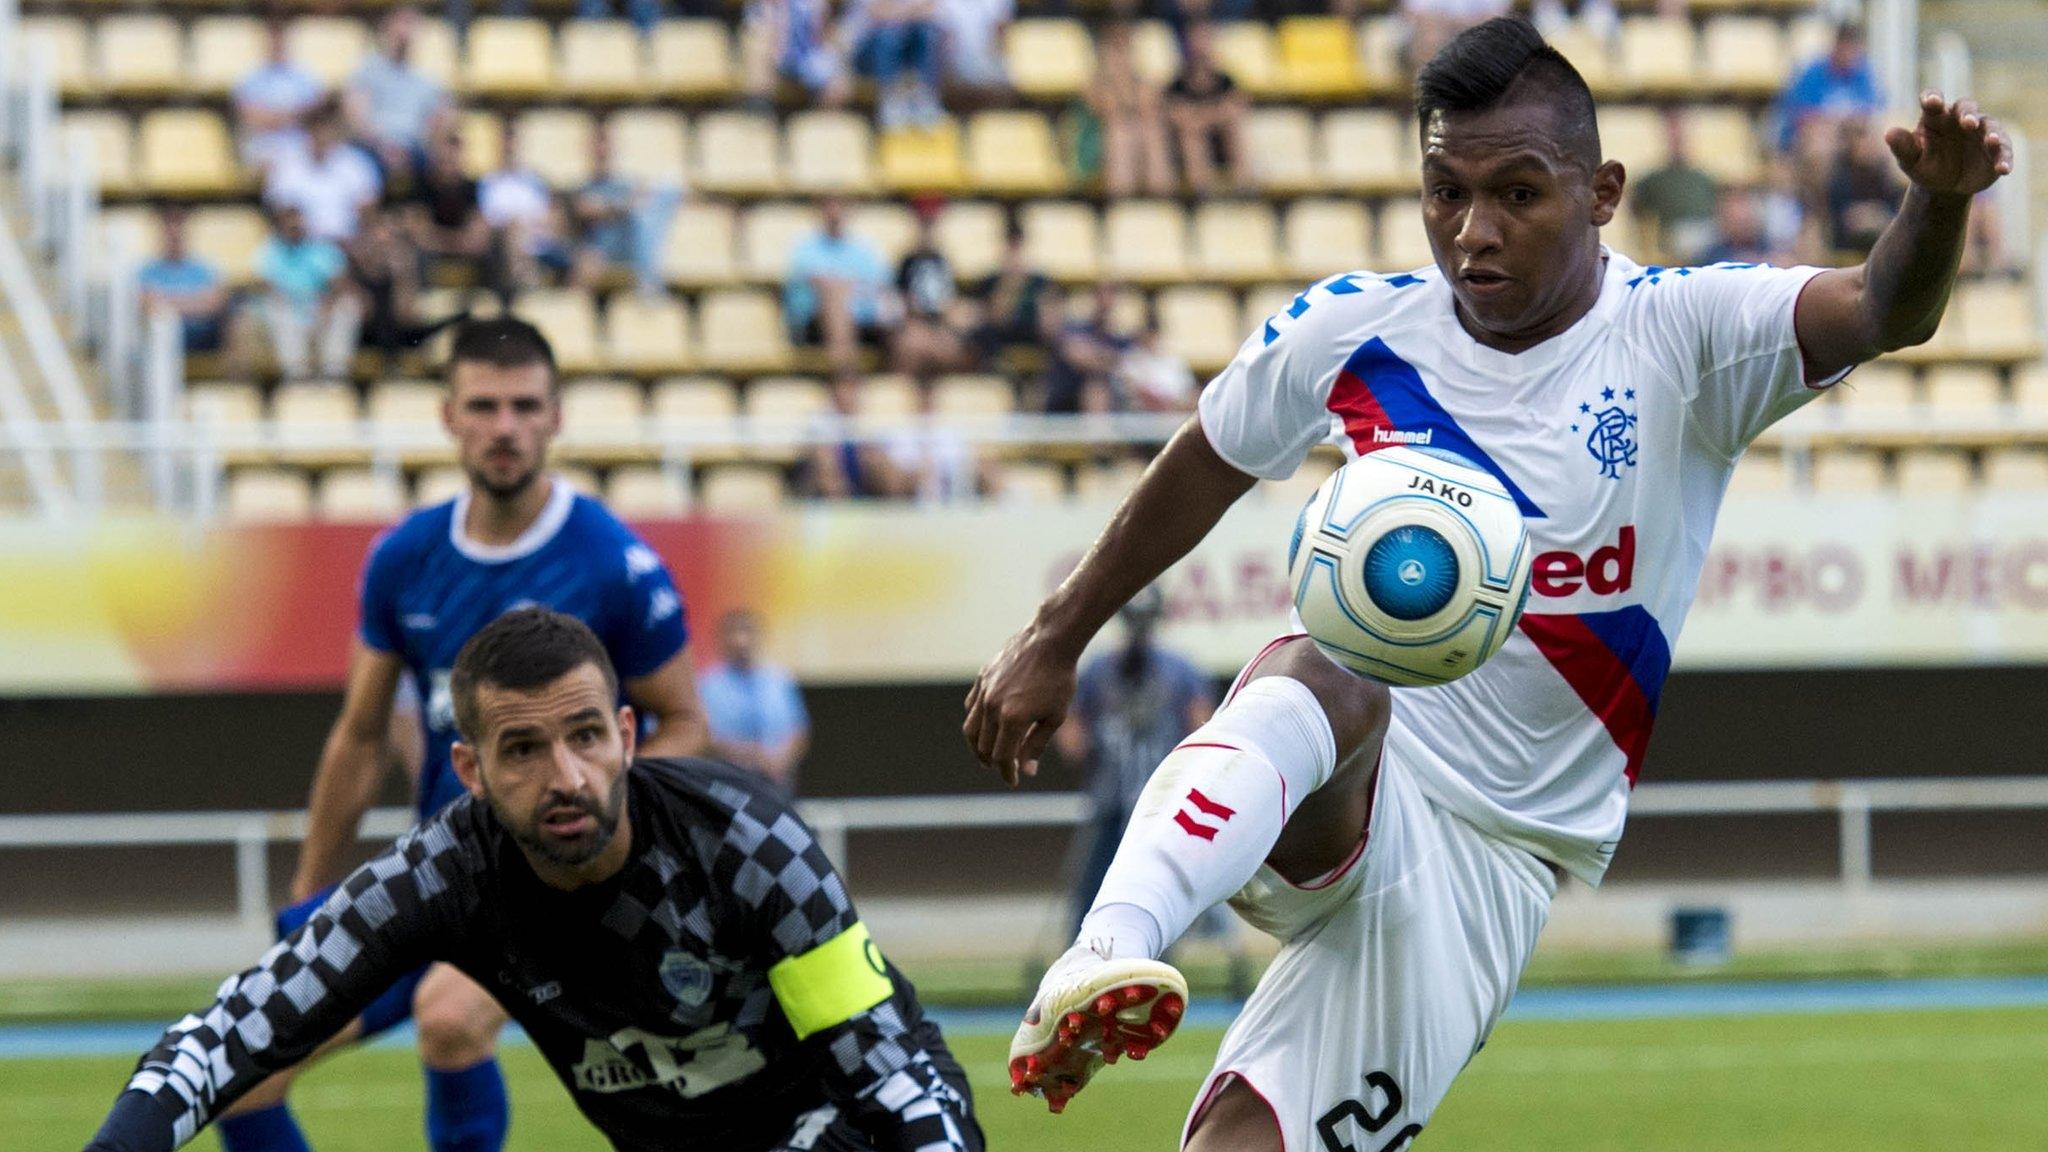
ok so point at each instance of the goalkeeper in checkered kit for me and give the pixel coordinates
(667, 931)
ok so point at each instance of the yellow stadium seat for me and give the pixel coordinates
(601, 59)
(971, 234)
(139, 56)
(769, 233)
(736, 154)
(694, 403)
(437, 52)
(359, 495)
(1319, 237)
(1013, 152)
(1659, 55)
(187, 152)
(1031, 482)
(644, 491)
(227, 236)
(1262, 302)
(1932, 470)
(1997, 320)
(699, 250)
(483, 141)
(555, 143)
(1107, 483)
(741, 331)
(579, 479)
(1244, 49)
(1635, 134)
(2030, 390)
(2016, 470)
(1368, 151)
(1590, 53)
(569, 321)
(1155, 52)
(1404, 243)
(1127, 312)
(136, 227)
(1847, 471)
(1049, 57)
(1723, 141)
(965, 397)
(1146, 241)
(828, 151)
(438, 485)
(646, 335)
(268, 496)
(785, 400)
(648, 144)
(741, 490)
(1286, 149)
(405, 410)
(65, 47)
(889, 226)
(1235, 240)
(1809, 35)
(923, 159)
(1963, 391)
(892, 398)
(330, 47)
(224, 50)
(1745, 54)
(1319, 57)
(1201, 324)
(1061, 238)
(509, 56)
(1884, 389)
(602, 411)
(692, 59)
(1380, 41)
(112, 141)
(315, 417)
(1761, 471)
(223, 404)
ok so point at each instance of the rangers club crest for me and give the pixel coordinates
(1610, 430)
(686, 977)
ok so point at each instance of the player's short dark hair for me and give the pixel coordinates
(1483, 65)
(523, 650)
(501, 342)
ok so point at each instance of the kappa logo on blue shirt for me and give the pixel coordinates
(1609, 426)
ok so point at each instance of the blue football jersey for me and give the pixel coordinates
(428, 588)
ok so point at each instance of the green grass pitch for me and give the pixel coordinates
(1852, 1082)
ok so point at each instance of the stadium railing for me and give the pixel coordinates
(1853, 802)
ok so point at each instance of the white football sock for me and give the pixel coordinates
(1210, 815)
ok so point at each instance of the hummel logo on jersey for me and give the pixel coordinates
(1396, 436)
(1206, 807)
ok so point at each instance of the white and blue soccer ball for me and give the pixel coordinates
(1410, 566)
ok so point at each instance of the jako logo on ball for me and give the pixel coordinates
(1410, 566)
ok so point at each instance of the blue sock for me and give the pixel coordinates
(467, 1110)
(270, 1129)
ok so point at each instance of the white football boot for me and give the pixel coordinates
(1090, 1010)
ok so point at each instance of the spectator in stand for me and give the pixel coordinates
(329, 180)
(1864, 188)
(930, 462)
(272, 102)
(1836, 87)
(1789, 225)
(791, 39)
(755, 709)
(931, 337)
(620, 222)
(1153, 378)
(1207, 111)
(445, 220)
(383, 272)
(394, 107)
(1678, 200)
(972, 44)
(1082, 358)
(644, 14)
(896, 43)
(306, 301)
(529, 230)
(459, 12)
(1127, 109)
(190, 287)
(1740, 235)
(1012, 303)
(1432, 23)
(836, 290)
(843, 466)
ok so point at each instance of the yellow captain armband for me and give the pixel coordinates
(832, 983)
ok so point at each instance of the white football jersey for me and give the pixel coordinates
(1616, 438)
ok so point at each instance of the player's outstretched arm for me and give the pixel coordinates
(1896, 297)
(1021, 697)
(352, 765)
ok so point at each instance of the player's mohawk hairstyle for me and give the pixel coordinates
(1480, 67)
(523, 650)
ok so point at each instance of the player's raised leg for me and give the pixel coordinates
(1282, 775)
(458, 1022)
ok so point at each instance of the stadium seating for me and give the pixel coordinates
(966, 397)
(268, 495)
(923, 160)
(643, 490)
(692, 60)
(330, 47)
(740, 489)
(1061, 238)
(405, 410)
(646, 336)
(63, 45)
(1235, 241)
(701, 246)
(555, 143)
(769, 233)
(569, 321)
(1012, 153)
(2016, 470)
(1761, 471)
(1848, 471)
(1145, 241)
(1031, 482)
(186, 152)
(1318, 58)
(599, 411)
(1049, 58)
(828, 152)
(648, 144)
(1202, 323)
(1931, 471)
(741, 331)
(139, 56)
(360, 494)
(223, 50)
(600, 60)
(736, 153)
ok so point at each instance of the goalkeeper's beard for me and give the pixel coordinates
(567, 852)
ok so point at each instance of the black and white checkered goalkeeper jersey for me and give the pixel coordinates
(718, 993)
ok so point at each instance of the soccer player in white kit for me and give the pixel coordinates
(1405, 844)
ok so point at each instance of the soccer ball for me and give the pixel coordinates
(1410, 566)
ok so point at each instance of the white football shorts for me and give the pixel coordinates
(1394, 970)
